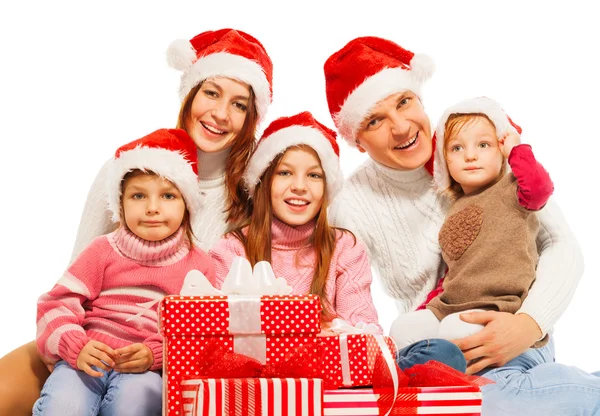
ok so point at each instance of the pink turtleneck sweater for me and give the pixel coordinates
(348, 285)
(105, 286)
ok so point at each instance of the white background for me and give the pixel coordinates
(78, 80)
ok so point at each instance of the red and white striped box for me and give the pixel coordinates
(253, 397)
(436, 401)
(189, 323)
(348, 360)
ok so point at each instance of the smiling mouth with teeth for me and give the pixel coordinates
(212, 129)
(296, 202)
(407, 144)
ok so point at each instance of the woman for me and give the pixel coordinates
(226, 88)
(373, 91)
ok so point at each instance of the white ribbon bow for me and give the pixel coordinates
(241, 280)
(344, 329)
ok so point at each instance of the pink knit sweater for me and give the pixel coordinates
(105, 286)
(349, 281)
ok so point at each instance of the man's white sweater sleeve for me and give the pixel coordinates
(559, 269)
(96, 218)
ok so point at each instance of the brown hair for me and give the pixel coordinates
(455, 123)
(186, 216)
(243, 146)
(255, 233)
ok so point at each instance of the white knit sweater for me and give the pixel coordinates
(398, 215)
(209, 226)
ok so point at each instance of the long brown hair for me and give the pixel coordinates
(455, 123)
(243, 146)
(185, 222)
(255, 233)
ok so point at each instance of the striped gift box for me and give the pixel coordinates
(433, 401)
(253, 397)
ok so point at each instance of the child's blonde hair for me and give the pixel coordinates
(454, 125)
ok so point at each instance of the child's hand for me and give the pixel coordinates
(134, 358)
(509, 140)
(96, 354)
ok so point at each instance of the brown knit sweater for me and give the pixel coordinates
(488, 243)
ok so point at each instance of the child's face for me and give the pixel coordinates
(152, 206)
(473, 157)
(298, 187)
(218, 113)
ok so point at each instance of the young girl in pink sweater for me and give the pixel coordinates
(96, 322)
(291, 178)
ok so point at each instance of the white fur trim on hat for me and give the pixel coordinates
(281, 140)
(482, 105)
(228, 65)
(389, 81)
(166, 163)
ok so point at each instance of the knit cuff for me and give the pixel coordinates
(70, 345)
(157, 353)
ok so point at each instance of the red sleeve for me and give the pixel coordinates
(535, 185)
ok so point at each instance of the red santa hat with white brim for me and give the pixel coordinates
(366, 71)
(479, 105)
(169, 153)
(224, 53)
(300, 129)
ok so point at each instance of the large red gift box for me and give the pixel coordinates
(348, 360)
(438, 401)
(189, 323)
(253, 397)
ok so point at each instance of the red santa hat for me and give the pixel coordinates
(170, 153)
(479, 105)
(301, 129)
(224, 53)
(366, 71)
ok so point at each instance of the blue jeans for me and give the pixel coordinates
(431, 349)
(533, 384)
(71, 392)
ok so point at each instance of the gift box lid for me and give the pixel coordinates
(183, 316)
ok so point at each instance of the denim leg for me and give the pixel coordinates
(131, 394)
(70, 392)
(533, 384)
(431, 349)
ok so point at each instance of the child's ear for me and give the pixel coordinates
(359, 147)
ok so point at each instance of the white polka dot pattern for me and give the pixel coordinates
(188, 322)
(362, 351)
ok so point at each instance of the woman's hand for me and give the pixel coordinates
(48, 362)
(134, 358)
(504, 337)
(96, 354)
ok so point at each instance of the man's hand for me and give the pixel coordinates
(134, 358)
(96, 354)
(504, 337)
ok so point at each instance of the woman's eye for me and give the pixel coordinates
(315, 175)
(240, 106)
(373, 122)
(284, 173)
(170, 196)
(210, 93)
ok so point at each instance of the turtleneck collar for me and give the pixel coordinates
(150, 253)
(403, 176)
(212, 165)
(285, 237)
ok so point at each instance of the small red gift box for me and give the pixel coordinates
(348, 360)
(253, 397)
(272, 327)
(455, 400)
